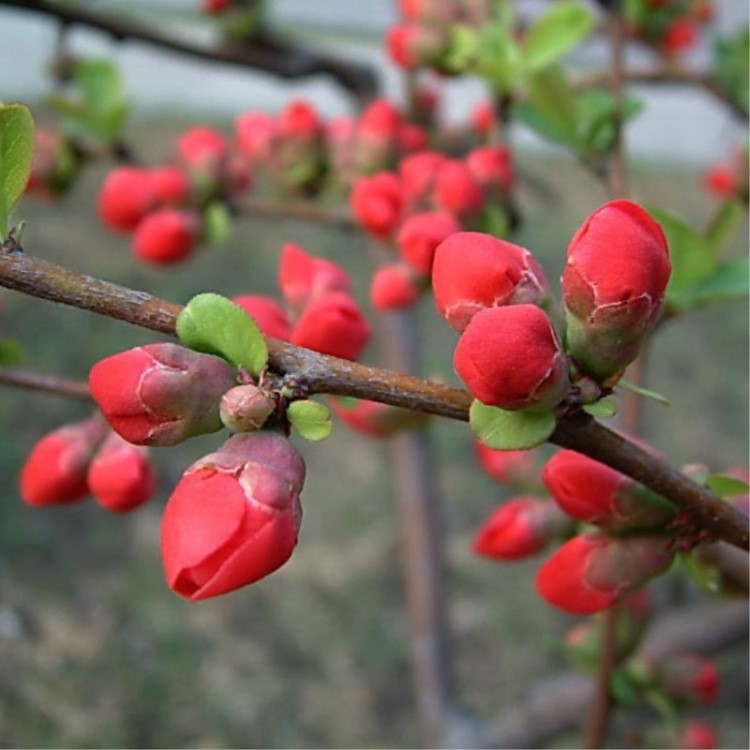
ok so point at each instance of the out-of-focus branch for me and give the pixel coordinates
(297, 209)
(34, 381)
(319, 373)
(264, 52)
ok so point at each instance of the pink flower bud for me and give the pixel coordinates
(689, 679)
(304, 277)
(160, 394)
(697, 735)
(482, 118)
(170, 184)
(506, 467)
(472, 271)
(245, 408)
(413, 46)
(378, 203)
(166, 236)
(126, 196)
(394, 287)
(375, 419)
(411, 138)
(299, 121)
(492, 167)
(55, 470)
(418, 174)
(519, 528)
(593, 571)
(592, 492)
(420, 235)
(457, 191)
(332, 324)
(268, 314)
(613, 286)
(511, 357)
(234, 516)
(203, 149)
(255, 135)
(121, 477)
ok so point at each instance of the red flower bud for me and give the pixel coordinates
(472, 271)
(697, 735)
(593, 492)
(420, 235)
(303, 277)
(506, 467)
(255, 134)
(722, 181)
(170, 184)
(394, 287)
(689, 679)
(510, 357)
(411, 138)
(121, 477)
(482, 118)
(127, 195)
(332, 324)
(203, 149)
(234, 516)
(413, 46)
(519, 528)
(55, 470)
(245, 408)
(492, 167)
(680, 35)
(418, 173)
(166, 236)
(613, 286)
(457, 191)
(378, 202)
(215, 7)
(300, 122)
(160, 394)
(268, 314)
(593, 571)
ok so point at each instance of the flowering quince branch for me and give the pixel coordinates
(324, 374)
(47, 383)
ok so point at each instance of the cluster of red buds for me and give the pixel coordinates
(672, 26)
(422, 39)
(87, 458)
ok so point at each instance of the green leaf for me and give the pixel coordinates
(213, 324)
(597, 110)
(725, 485)
(691, 256)
(726, 222)
(563, 26)
(311, 419)
(510, 430)
(622, 688)
(499, 59)
(551, 109)
(463, 50)
(645, 392)
(217, 223)
(731, 281)
(603, 408)
(16, 152)
(11, 352)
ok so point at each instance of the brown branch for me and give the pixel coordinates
(34, 381)
(324, 374)
(264, 52)
(297, 209)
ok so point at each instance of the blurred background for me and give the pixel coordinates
(95, 651)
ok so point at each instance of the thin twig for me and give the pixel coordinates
(34, 381)
(325, 374)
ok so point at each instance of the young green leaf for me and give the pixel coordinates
(16, 151)
(723, 226)
(645, 392)
(11, 352)
(603, 408)
(311, 419)
(217, 223)
(564, 25)
(510, 430)
(213, 324)
(725, 485)
(731, 281)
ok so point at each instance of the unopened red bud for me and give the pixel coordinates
(378, 203)
(171, 185)
(203, 149)
(519, 528)
(613, 286)
(126, 196)
(492, 167)
(511, 357)
(376, 419)
(472, 271)
(166, 236)
(420, 235)
(269, 314)
(689, 679)
(333, 324)
(234, 516)
(161, 394)
(414, 46)
(482, 118)
(506, 467)
(411, 138)
(299, 121)
(245, 408)
(697, 735)
(418, 173)
(120, 477)
(55, 470)
(680, 36)
(304, 277)
(255, 133)
(593, 571)
(394, 287)
(457, 191)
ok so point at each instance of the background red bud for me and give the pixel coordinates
(126, 196)
(166, 236)
(394, 287)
